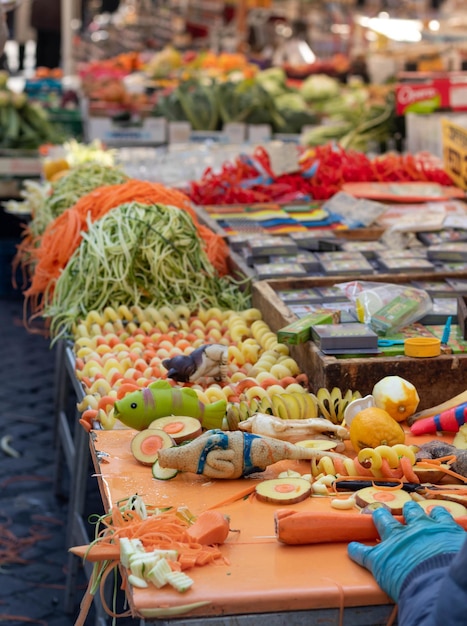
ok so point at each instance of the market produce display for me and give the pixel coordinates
(46, 255)
(167, 345)
(320, 173)
(23, 125)
(142, 255)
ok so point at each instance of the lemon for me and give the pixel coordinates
(397, 396)
(373, 427)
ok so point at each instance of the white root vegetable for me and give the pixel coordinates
(293, 430)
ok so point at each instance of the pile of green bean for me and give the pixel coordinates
(67, 190)
(146, 255)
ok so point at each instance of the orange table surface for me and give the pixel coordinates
(262, 575)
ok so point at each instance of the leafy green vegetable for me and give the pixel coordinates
(319, 87)
(199, 104)
(273, 80)
(247, 101)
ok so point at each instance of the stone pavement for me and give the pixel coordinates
(33, 519)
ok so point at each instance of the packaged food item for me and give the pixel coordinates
(386, 307)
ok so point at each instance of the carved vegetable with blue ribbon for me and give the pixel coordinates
(233, 454)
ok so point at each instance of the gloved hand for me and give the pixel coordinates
(403, 547)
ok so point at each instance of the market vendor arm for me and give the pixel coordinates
(420, 565)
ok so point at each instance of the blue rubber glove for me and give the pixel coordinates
(403, 547)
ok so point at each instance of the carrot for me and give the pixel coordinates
(306, 527)
(269, 382)
(106, 401)
(237, 496)
(406, 467)
(428, 465)
(97, 552)
(89, 415)
(210, 527)
(164, 530)
(126, 388)
(286, 381)
(46, 256)
(86, 425)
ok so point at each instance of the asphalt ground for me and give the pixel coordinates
(33, 515)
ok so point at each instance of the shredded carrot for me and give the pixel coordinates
(429, 465)
(45, 257)
(407, 468)
(239, 495)
(162, 531)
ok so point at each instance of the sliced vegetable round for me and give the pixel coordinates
(146, 444)
(455, 508)
(163, 473)
(283, 490)
(179, 427)
(394, 499)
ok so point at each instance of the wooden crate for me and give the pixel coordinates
(436, 379)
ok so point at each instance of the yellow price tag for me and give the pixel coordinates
(455, 152)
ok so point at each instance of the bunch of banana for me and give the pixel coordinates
(288, 405)
(332, 405)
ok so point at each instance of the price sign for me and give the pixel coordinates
(283, 157)
(157, 127)
(179, 132)
(235, 132)
(455, 152)
(259, 133)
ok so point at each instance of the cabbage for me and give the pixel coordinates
(272, 80)
(319, 87)
(292, 101)
(276, 74)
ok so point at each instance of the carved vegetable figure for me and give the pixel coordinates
(208, 361)
(219, 454)
(293, 430)
(397, 396)
(139, 408)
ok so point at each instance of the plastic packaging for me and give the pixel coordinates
(387, 307)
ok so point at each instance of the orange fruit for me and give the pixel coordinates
(374, 427)
(397, 396)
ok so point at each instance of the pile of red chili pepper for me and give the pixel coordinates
(321, 173)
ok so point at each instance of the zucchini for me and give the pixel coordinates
(163, 473)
